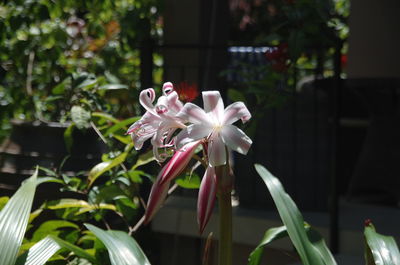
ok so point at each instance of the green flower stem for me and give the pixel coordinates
(225, 184)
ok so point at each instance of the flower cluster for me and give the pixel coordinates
(211, 127)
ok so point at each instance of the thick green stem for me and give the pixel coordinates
(225, 185)
(225, 229)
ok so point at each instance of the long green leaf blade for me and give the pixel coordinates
(292, 219)
(77, 250)
(14, 219)
(103, 167)
(270, 235)
(384, 249)
(122, 248)
(41, 252)
(319, 244)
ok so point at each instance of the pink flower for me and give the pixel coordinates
(159, 122)
(212, 127)
(214, 124)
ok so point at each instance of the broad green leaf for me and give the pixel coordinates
(380, 249)
(39, 253)
(236, 95)
(271, 235)
(136, 175)
(103, 167)
(123, 139)
(105, 116)
(14, 220)
(122, 248)
(144, 159)
(80, 117)
(51, 227)
(68, 139)
(49, 179)
(77, 250)
(189, 181)
(292, 219)
(276, 233)
(319, 244)
(85, 81)
(47, 247)
(121, 125)
(84, 205)
(3, 201)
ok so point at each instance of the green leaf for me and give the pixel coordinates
(144, 159)
(80, 117)
(39, 253)
(276, 233)
(319, 244)
(380, 249)
(123, 139)
(51, 227)
(292, 219)
(83, 205)
(3, 201)
(84, 81)
(189, 181)
(77, 250)
(105, 116)
(68, 139)
(122, 248)
(121, 125)
(14, 220)
(103, 167)
(271, 235)
(236, 95)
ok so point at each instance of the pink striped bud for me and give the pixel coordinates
(178, 162)
(171, 170)
(206, 199)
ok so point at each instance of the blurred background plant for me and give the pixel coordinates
(296, 41)
(47, 47)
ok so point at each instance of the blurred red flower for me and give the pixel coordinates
(187, 91)
(278, 57)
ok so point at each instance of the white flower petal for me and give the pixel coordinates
(174, 104)
(236, 139)
(213, 103)
(216, 151)
(144, 129)
(236, 111)
(192, 133)
(167, 88)
(146, 99)
(193, 114)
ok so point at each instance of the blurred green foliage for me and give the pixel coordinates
(47, 45)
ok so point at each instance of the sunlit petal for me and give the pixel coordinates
(206, 198)
(192, 133)
(193, 114)
(236, 139)
(167, 88)
(144, 129)
(146, 99)
(213, 103)
(216, 151)
(235, 112)
(174, 104)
